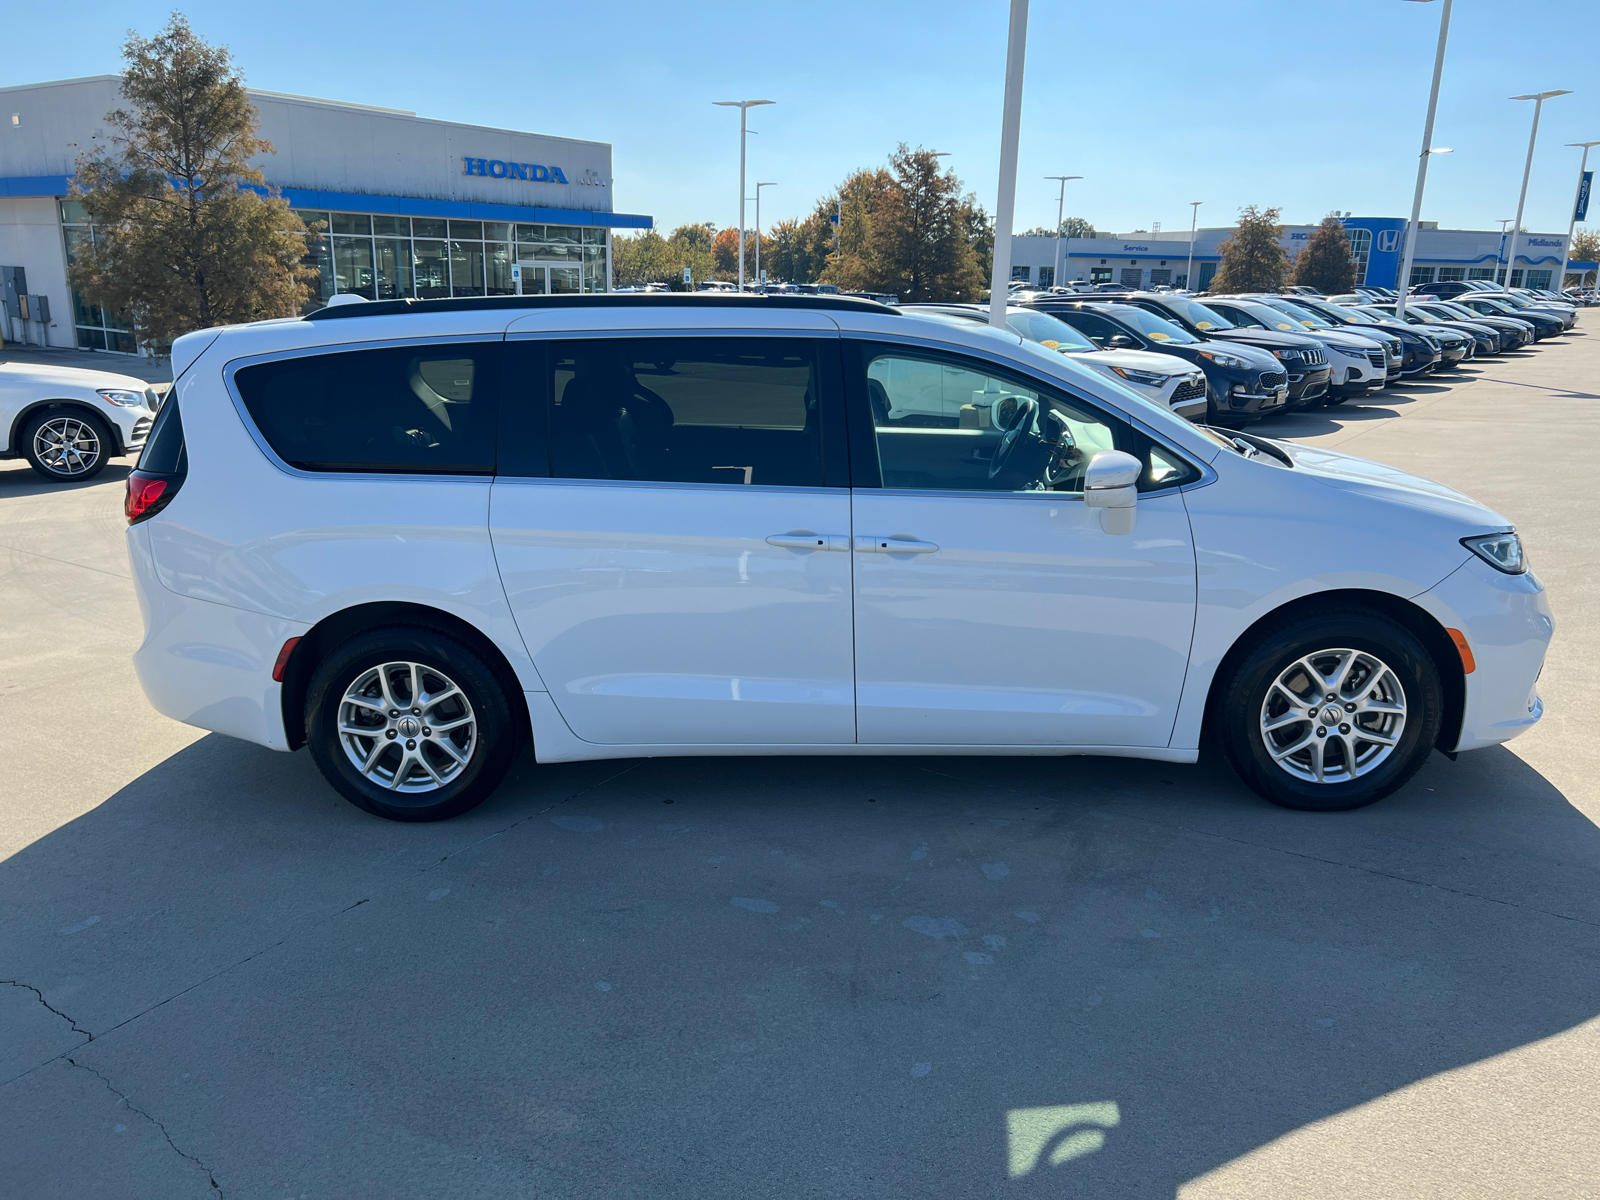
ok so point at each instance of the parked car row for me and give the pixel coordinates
(1262, 354)
(69, 422)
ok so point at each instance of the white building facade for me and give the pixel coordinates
(412, 207)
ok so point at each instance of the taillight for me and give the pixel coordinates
(148, 495)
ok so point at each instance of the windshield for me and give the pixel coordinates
(1307, 317)
(1514, 300)
(1050, 332)
(1198, 314)
(1273, 317)
(1379, 316)
(1422, 318)
(1458, 310)
(1157, 329)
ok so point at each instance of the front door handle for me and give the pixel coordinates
(804, 539)
(897, 543)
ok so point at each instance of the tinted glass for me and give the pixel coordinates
(1157, 329)
(946, 423)
(1093, 326)
(1240, 317)
(164, 452)
(1048, 331)
(392, 226)
(427, 227)
(1199, 315)
(411, 409)
(731, 411)
(352, 223)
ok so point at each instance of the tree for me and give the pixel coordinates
(1071, 227)
(1253, 259)
(797, 251)
(691, 246)
(187, 235)
(1325, 263)
(644, 258)
(725, 255)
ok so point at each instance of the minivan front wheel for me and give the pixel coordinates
(409, 724)
(1331, 711)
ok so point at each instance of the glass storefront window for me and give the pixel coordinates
(95, 328)
(530, 233)
(497, 231)
(566, 234)
(594, 237)
(499, 262)
(391, 226)
(594, 268)
(72, 213)
(308, 218)
(394, 268)
(427, 227)
(352, 265)
(432, 268)
(466, 268)
(468, 230)
(352, 223)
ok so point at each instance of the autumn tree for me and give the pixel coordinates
(1071, 227)
(1325, 263)
(187, 234)
(1253, 259)
(797, 251)
(725, 255)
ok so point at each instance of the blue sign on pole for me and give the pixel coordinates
(1581, 213)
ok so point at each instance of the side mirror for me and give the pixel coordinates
(1121, 341)
(1110, 484)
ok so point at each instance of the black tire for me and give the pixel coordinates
(1371, 638)
(89, 438)
(489, 746)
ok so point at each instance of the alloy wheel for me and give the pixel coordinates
(67, 446)
(407, 727)
(1333, 716)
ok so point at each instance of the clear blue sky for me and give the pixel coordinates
(1308, 106)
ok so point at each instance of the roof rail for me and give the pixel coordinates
(387, 308)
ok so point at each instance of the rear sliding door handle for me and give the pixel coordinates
(801, 539)
(898, 543)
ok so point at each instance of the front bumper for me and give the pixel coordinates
(1507, 624)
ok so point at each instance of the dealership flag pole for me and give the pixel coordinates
(1538, 99)
(1402, 283)
(1010, 128)
(1577, 199)
(744, 107)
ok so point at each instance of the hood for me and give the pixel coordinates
(1260, 360)
(1345, 472)
(1350, 341)
(1264, 337)
(15, 372)
(1134, 360)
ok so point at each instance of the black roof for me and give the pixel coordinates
(387, 308)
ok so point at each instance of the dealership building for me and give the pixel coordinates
(412, 206)
(1147, 259)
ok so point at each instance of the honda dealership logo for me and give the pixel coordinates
(1388, 241)
(495, 169)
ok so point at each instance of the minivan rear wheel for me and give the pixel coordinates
(409, 724)
(1331, 711)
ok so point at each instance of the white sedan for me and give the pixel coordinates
(67, 421)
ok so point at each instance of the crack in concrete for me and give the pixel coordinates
(122, 1098)
(28, 987)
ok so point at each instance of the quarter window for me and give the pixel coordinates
(726, 411)
(412, 409)
(943, 423)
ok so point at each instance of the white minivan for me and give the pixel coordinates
(412, 535)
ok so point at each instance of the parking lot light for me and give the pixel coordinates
(1061, 207)
(1538, 99)
(1402, 283)
(1006, 197)
(759, 186)
(1194, 220)
(1572, 222)
(744, 107)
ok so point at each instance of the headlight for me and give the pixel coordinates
(1502, 551)
(1428, 341)
(121, 397)
(1148, 378)
(1352, 352)
(1231, 361)
(1287, 355)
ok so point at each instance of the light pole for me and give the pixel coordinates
(759, 186)
(1402, 285)
(1566, 254)
(1194, 222)
(1006, 200)
(1538, 99)
(1505, 224)
(1061, 208)
(744, 107)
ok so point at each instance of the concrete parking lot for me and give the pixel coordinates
(805, 977)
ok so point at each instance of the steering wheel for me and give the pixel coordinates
(1023, 423)
(1065, 457)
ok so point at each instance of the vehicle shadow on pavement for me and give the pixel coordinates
(22, 480)
(743, 976)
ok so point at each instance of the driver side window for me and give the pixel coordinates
(943, 423)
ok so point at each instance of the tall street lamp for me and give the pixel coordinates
(1006, 200)
(1061, 208)
(759, 186)
(1403, 284)
(1566, 254)
(744, 107)
(1538, 99)
(1194, 221)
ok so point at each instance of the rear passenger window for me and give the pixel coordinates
(734, 411)
(409, 409)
